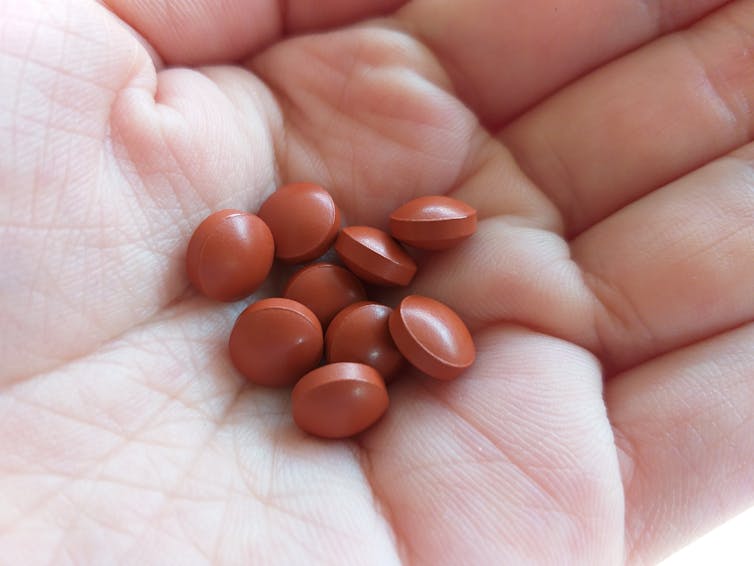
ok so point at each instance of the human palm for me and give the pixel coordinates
(609, 287)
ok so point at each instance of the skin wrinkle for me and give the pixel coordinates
(383, 509)
(181, 169)
(146, 234)
(45, 144)
(504, 456)
(746, 51)
(215, 553)
(114, 451)
(171, 494)
(711, 83)
(527, 474)
(266, 111)
(448, 66)
(67, 528)
(541, 214)
(291, 108)
(58, 128)
(158, 315)
(573, 200)
(104, 343)
(609, 309)
(169, 396)
(67, 169)
(26, 60)
(184, 176)
(122, 482)
(642, 26)
(269, 500)
(711, 246)
(727, 217)
(265, 502)
(692, 377)
(137, 546)
(22, 79)
(708, 64)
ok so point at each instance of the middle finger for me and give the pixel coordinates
(643, 120)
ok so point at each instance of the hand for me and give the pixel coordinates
(610, 285)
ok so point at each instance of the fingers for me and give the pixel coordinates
(676, 266)
(684, 424)
(209, 31)
(504, 56)
(643, 120)
(479, 470)
(513, 272)
(516, 267)
(367, 115)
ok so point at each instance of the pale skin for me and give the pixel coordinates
(610, 287)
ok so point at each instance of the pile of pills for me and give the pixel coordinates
(279, 342)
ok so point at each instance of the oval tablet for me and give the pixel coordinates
(360, 333)
(229, 255)
(374, 256)
(433, 222)
(339, 400)
(326, 289)
(304, 221)
(276, 341)
(432, 337)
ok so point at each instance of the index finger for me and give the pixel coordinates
(503, 57)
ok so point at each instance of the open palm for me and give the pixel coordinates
(610, 286)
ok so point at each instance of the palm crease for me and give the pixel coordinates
(607, 288)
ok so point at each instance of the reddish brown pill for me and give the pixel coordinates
(326, 289)
(230, 255)
(374, 256)
(339, 400)
(432, 337)
(304, 221)
(276, 341)
(360, 333)
(433, 222)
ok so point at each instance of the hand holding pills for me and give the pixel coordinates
(279, 342)
(607, 414)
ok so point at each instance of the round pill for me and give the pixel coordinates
(359, 333)
(339, 400)
(374, 256)
(229, 255)
(326, 289)
(276, 341)
(433, 222)
(432, 337)
(304, 221)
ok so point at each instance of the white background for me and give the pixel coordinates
(731, 544)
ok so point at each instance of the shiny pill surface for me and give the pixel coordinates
(276, 341)
(432, 337)
(229, 255)
(360, 333)
(374, 256)
(304, 221)
(433, 222)
(339, 400)
(326, 289)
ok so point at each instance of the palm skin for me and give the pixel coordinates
(608, 417)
